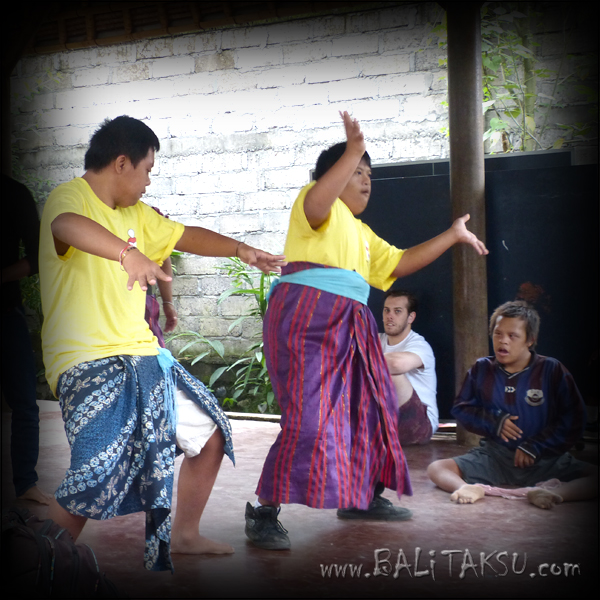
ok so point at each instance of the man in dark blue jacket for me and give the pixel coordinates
(530, 413)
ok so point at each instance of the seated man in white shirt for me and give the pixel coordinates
(412, 366)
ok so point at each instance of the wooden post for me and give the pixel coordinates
(467, 187)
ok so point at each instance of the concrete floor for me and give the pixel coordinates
(499, 548)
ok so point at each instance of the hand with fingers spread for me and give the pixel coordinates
(465, 236)
(354, 135)
(334, 182)
(419, 256)
(267, 263)
(141, 269)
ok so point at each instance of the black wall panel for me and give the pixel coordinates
(542, 233)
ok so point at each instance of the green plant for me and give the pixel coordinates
(510, 76)
(253, 390)
(195, 338)
(519, 112)
(252, 387)
(245, 280)
(174, 256)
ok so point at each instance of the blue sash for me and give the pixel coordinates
(342, 282)
(166, 362)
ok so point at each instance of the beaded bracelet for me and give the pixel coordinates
(123, 253)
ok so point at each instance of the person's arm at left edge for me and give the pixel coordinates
(17, 270)
(204, 242)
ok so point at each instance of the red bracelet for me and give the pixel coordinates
(123, 253)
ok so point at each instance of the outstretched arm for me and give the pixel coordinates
(71, 229)
(420, 256)
(322, 195)
(197, 240)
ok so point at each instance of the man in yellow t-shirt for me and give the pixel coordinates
(125, 404)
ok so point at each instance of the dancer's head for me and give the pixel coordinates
(122, 136)
(357, 192)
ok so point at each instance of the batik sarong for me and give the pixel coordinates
(123, 445)
(339, 433)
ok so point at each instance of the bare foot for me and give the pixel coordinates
(543, 498)
(36, 495)
(198, 545)
(467, 494)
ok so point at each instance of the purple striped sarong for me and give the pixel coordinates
(339, 434)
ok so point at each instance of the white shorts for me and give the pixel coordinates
(194, 425)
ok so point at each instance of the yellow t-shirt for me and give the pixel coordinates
(342, 241)
(88, 311)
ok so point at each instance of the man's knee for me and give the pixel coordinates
(437, 467)
(414, 426)
(404, 389)
(72, 523)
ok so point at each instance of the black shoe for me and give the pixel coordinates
(380, 509)
(264, 530)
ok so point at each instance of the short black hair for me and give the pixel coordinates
(329, 157)
(519, 309)
(120, 136)
(412, 304)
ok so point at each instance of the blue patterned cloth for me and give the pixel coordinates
(122, 448)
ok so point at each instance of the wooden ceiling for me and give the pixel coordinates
(71, 25)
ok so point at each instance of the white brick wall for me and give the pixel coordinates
(242, 115)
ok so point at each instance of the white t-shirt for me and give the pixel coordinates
(423, 379)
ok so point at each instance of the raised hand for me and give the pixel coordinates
(354, 135)
(465, 236)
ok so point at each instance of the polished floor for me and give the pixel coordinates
(496, 548)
